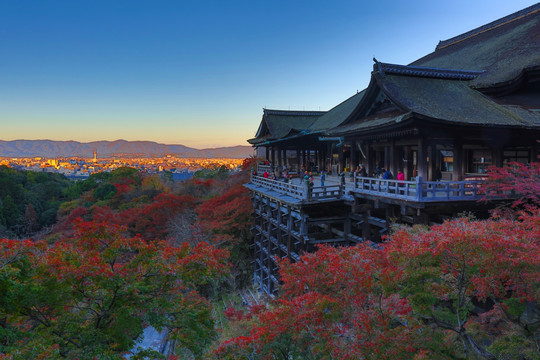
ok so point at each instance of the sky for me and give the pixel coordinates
(199, 73)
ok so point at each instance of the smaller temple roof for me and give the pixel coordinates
(337, 115)
(278, 124)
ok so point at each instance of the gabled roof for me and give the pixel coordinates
(278, 124)
(442, 95)
(450, 101)
(503, 49)
(337, 115)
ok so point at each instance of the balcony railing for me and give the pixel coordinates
(414, 191)
(300, 192)
(418, 190)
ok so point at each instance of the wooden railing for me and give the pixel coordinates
(261, 168)
(302, 192)
(416, 191)
(420, 191)
(285, 188)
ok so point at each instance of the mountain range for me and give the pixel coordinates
(51, 148)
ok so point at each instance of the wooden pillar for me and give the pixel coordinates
(354, 160)
(393, 158)
(273, 158)
(433, 169)
(422, 159)
(366, 226)
(341, 159)
(347, 226)
(278, 230)
(457, 173)
(298, 161)
(285, 157)
(304, 163)
(279, 159)
(534, 154)
(267, 148)
(289, 232)
(369, 161)
(408, 170)
(497, 157)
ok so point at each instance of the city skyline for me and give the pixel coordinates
(199, 74)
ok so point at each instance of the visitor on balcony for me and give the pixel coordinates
(387, 175)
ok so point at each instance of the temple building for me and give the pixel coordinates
(439, 122)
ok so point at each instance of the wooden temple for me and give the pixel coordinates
(441, 121)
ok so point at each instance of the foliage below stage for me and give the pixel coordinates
(129, 250)
(89, 296)
(465, 289)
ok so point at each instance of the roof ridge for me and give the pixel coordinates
(492, 25)
(439, 73)
(293, 112)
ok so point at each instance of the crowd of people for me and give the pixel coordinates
(360, 171)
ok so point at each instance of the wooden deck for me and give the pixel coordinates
(409, 191)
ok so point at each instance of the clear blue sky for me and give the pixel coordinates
(199, 72)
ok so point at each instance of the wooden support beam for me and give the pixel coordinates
(434, 170)
(457, 172)
(422, 159)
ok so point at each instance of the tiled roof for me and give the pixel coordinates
(337, 115)
(451, 101)
(277, 124)
(502, 49)
(384, 68)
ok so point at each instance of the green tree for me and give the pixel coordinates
(90, 296)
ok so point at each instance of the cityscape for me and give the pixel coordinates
(82, 168)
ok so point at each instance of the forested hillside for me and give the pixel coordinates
(120, 251)
(101, 259)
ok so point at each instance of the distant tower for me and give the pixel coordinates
(95, 155)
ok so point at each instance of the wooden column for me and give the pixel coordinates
(289, 231)
(497, 157)
(408, 168)
(433, 169)
(267, 153)
(279, 159)
(394, 157)
(273, 158)
(354, 160)
(285, 158)
(369, 161)
(422, 158)
(534, 154)
(341, 159)
(298, 161)
(457, 173)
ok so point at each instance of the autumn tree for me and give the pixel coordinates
(459, 274)
(516, 181)
(90, 296)
(333, 303)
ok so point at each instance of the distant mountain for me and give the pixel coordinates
(50, 148)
